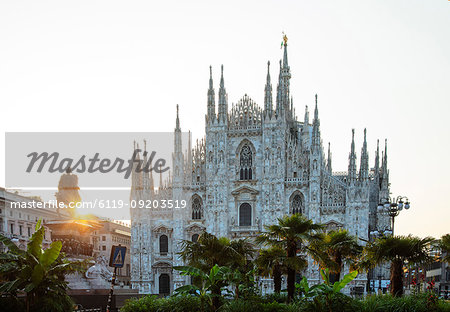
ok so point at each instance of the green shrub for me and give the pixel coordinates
(151, 303)
(425, 302)
(280, 298)
(52, 302)
(443, 306)
(337, 302)
(270, 303)
(12, 303)
(143, 304)
(255, 306)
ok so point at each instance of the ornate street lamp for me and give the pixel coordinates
(392, 207)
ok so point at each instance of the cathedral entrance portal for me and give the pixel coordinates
(164, 284)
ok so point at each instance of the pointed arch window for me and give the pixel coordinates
(245, 215)
(163, 244)
(197, 211)
(195, 238)
(246, 155)
(297, 204)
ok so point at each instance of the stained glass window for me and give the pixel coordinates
(196, 208)
(246, 163)
(297, 204)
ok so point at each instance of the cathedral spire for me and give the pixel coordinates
(285, 57)
(161, 185)
(316, 111)
(145, 173)
(364, 166)
(316, 119)
(316, 129)
(286, 76)
(305, 129)
(385, 173)
(151, 183)
(136, 175)
(384, 161)
(211, 99)
(222, 83)
(306, 121)
(189, 151)
(292, 108)
(377, 160)
(283, 93)
(329, 167)
(177, 123)
(279, 106)
(177, 135)
(210, 78)
(223, 100)
(352, 160)
(268, 107)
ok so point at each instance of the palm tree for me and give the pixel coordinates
(271, 262)
(291, 234)
(333, 250)
(244, 248)
(444, 244)
(210, 250)
(398, 250)
(242, 265)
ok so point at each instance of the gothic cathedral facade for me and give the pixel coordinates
(254, 165)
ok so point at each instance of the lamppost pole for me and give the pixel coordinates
(393, 219)
(379, 281)
(390, 207)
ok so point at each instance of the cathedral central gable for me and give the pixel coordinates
(245, 190)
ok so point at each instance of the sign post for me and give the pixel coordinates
(116, 260)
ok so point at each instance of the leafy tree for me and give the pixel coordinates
(444, 244)
(327, 289)
(291, 234)
(272, 262)
(243, 281)
(243, 267)
(397, 250)
(39, 273)
(210, 250)
(327, 296)
(208, 286)
(244, 248)
(328, 292)
(333, 250)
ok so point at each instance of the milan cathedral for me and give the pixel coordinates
(254, 165)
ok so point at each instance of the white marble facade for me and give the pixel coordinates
(254, 165)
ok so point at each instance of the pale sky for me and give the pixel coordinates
(124, 65)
